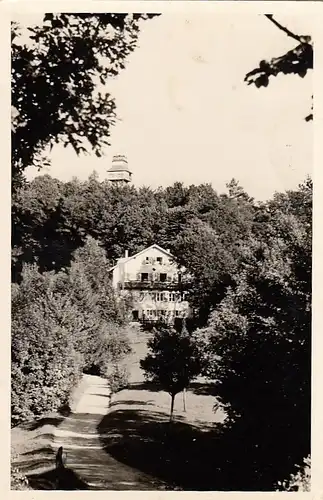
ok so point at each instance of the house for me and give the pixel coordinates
(153, 282)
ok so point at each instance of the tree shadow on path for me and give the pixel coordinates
(192, 458)
(170, 452)
(57, 479)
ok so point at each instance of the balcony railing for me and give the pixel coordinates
(152, 284)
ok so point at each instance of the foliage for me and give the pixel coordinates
(210, 246)
(55, 77)
(52, 219)
(45, 362)
(101, 335)
(118, 377)
(250, 269)
(257, 344)
(18, 480)
(62, 323)
(301, 480)
(173, 361)
(297, 61)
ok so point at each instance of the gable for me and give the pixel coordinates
(153, 251)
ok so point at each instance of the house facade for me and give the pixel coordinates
(153, 282)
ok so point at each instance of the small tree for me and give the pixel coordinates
(118, 378)
(174, 361)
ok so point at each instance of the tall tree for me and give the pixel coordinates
(55, 77)
(258, 347)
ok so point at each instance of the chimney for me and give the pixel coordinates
(126, 254)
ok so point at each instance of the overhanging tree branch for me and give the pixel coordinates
(296, 61)
(298, 38)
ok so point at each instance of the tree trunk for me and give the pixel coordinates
(172, 407)
(184, 399)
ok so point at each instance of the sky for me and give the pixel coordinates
(187, 115)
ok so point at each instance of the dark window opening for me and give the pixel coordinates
(144, 276)
(135, 315)
(159, 260)
(163, 277)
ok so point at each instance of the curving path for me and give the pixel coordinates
(79, 437)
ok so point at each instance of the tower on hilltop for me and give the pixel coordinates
(119, 173)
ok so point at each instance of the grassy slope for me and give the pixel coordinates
(137, 431)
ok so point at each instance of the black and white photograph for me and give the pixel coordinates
(161, 249)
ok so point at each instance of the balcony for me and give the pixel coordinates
(151, 285)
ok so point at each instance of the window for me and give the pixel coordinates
(144, 276)
(176, 313)
(159, 260)
(163, 277)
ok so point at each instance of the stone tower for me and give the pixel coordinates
(119, 173)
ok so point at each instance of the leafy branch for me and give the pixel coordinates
(296, 61)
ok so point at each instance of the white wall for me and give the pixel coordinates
(131, 269)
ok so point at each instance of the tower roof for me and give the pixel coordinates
(119, 164)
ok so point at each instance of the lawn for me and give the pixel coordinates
(137, 431)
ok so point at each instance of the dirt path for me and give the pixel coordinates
(78, 435)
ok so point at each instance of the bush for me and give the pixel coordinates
(62, 324)
(45, 363)
(18, 481)
(118, 377)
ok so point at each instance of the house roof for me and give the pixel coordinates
(126, 259)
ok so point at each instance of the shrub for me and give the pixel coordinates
(118, 377)
(45, 364)
(18, 481)
(300, 481)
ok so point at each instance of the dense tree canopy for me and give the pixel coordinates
(258, 342)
